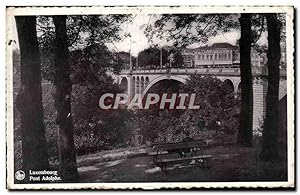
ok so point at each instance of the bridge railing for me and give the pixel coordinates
(184, 71)
(235, 71)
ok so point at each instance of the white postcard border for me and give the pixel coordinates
(81, 10)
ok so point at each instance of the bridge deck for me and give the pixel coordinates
(256, 71)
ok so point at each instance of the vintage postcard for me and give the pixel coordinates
(150, 97)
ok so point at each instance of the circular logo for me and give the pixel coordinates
(20, 175)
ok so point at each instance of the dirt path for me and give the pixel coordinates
(230, 163)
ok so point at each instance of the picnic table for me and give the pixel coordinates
(187, 151)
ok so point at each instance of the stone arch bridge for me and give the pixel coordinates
(140, 81)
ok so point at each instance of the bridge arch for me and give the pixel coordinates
(146, 81)
(239, 90)
(230, 84)
(124, 84)
(133, 85)
(156, 80)
(142, 84)
(235, 81)
(137, 90)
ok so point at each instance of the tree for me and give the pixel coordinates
(29, 100)
(246, 114)
(178, 59)
(56, 36)
(218, 107)
(186, 29)
(86, 37)
(218, 113)
(92, 62)
(270, 128)
(67, 158)
(82, 32)
(150, 57)
(95, 129)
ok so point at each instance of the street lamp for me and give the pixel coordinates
(130, 60)
(161, 62)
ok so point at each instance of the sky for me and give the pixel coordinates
(140, 42)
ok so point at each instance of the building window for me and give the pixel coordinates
(216, 56)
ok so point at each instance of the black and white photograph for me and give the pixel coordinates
(150, 97)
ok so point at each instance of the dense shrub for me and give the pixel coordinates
(96, 129)
(218, 114)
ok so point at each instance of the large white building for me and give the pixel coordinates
(217, 55)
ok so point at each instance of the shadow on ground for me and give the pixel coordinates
(229, 163)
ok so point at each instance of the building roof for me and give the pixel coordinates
(222, 45)
(217, 45)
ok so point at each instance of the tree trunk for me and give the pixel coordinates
(62, 81)
(29, 99)
(270, 132)
(246, 111)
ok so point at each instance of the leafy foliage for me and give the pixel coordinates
(219, 109)
(83, 32)
(97, 129)
(218, 114)
(150, 57)
(186, 29)
(90, 61)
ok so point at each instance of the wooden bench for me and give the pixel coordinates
(171, 148)
(201, 159)
(187, 151)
